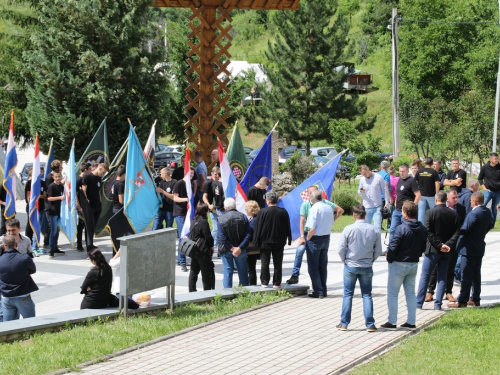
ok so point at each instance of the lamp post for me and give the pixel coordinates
(395, 84)
(495, 125)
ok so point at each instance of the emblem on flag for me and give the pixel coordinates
(305, 195)
(138, 182)
(237, 170)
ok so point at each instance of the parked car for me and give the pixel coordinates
(248, 150)
(160, 147)
(287, 152)
(166, 159)
(343, 171)
(322, 151)
(320, 161)
(175, 148)
(252, 155)
(24, 173)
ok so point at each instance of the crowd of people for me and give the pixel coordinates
(441, 216)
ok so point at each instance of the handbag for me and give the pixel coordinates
(189, 247)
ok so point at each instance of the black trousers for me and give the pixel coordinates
(79, 233)
(28, 231)
(46, 235)
(449, 277)
(96, 212)
(202, 262)
(470, 268)
(265, 260)
(3, 230)
(252, 268)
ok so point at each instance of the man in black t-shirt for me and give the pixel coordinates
(118, 189)
(407, 190)
(489, 179)
(428, 185)
(56, 167)
(166, 211)
(437, 167)
(456, 178)
(55, 195)
(213, 196)
(91, 187)
(178, 174)
(258, 192)
(84, 169)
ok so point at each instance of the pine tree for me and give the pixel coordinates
(306, 81)
(90, 60)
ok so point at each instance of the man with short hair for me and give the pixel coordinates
(257, 192)
(201, 172)
(359, 247)
(428, 184)
(372, 188)
(489, 178)
(442, 232)
(301, 243)
(118, 189)
(166, 211)
(215, 156)
(91, 187)
(213, 197)
(85, 168)
(320, 222)
(13, 227)
(272, 229)
(451, 203)
(55, 195)
(471, 247)
(456, 178)
(56, 167)
(384, 166)
(16, 284)
(437, 167)
(234, 235)
(464, 196)
(407, 190)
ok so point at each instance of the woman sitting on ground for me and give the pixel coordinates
(202, 261)
(97, 284)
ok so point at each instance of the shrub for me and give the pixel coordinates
(346, 201)
(300, 166)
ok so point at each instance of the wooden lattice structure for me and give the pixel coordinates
(208, 60)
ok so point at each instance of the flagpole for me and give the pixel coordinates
(275, 125)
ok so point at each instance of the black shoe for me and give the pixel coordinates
(58, 251)
(293, 280)
(388, 326)
(184, 268)
(80, 248)
(324, 294)
(408, 325)
(315, 295)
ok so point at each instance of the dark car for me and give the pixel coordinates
(248, 150)
(252, 155)
(24, 173)
(343, 171)
(287, 152)
(167, 159)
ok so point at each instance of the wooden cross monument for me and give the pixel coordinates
(208, 60)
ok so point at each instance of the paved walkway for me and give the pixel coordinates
(297, 336)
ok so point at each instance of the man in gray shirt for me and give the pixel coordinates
(373, 188)
(359, 247)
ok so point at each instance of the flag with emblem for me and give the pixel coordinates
(190, 206)
(232, 188)
(97, 150)
(69, 214)
(35, 193)
(9, 178)
(323, 179)
(261, 165)
(236, 155)
(141, 201)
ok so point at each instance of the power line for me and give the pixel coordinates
(448, 22)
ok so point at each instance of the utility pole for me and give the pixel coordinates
(395, 84)
(495, 125)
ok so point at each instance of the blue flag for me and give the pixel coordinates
(261, 166)
(50, 159)
(9, 178)
(141, 201)
(323, 179)
(68, 219)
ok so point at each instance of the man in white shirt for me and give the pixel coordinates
(372, 188)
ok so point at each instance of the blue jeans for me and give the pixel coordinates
(13, 307)
(396, 220)
(402, 273)
(317, 262)
(181, 258)
(299, 254)
(424, 204)
(161, 216)
(430, 261)
(229, 262)
(458, 274)
(54, 233)
(365, 276)
(494, 197)
(214, 216)
(375, 214)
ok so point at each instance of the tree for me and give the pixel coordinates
(90, 60)
(306, 82)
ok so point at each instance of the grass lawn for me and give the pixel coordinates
(462, 342)
(65, 349)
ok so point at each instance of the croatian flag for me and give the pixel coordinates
(232, 188)
(149, 149)
(9, 179)
(190, 205)
(35, 193)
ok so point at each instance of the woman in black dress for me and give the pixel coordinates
(202, 261)
(97, 284)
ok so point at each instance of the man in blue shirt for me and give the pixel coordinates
(359, 247)
(319, 222)
(200, 171)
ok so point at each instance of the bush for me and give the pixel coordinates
(346, 201)
(300, 166)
